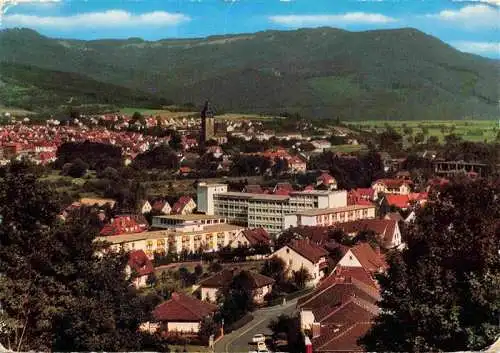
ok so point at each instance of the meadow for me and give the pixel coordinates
(469, 130)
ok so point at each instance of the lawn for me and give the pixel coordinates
(469, 130)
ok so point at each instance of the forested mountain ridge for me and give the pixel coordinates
(323, 72)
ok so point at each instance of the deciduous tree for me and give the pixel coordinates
(442, 293)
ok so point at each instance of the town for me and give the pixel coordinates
(251, 238)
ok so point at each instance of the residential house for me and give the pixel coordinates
(302, 253)
(252, 238)
(327, 181)
(162, 206)
(340, 311)
(185, 205)
(297, 165)
(392, 186)
(140, 267)
(259, 285)
(386, 231)
(361, 196)
(125, 224)
(145, 207)
(182, 314)
(362, 255)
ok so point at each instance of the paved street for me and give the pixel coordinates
(238, 341)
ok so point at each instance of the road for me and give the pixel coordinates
(238, 341)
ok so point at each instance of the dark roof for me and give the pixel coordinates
(395, 216)
(180, 204)
(326, 299)
(140, 263)
(183, 308)
(253, 189)
(208, 111)
(307, 249)
(257, 236)
(224, 278)
(341, 340)
(384, 228)
(369, 259)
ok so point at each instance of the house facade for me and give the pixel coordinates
(392, 186)
(182, 314)
(180, 233)
(259, 285)
(329, 216)
(304, 254)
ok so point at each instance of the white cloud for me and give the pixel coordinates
(475, 16)
(106, 19)
(491, 2)
(331, 20)
(478, 47)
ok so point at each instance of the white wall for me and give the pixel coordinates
(349, 260)
(338, 199)
(290, 220)
(306, 319)
(308, 220)
(295, 262)
(209, 294)
(205, 196)
(183, 327)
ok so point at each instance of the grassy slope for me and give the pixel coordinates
(398, 74)
(33, 88)
(470, 130)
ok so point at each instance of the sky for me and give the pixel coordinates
(471, 26)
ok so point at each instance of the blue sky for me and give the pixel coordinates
(472, 26)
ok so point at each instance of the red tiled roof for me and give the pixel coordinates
(180, 204)
(345, 340)
(257, 236)
(123, 225)
(400, 201)
(307, 249)
(283, 189)
(393, 183)
(183, 308)
(140, 263)
(325, 178)
(369, 259)
(224, 278)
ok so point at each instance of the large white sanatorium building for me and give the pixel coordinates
(263, 210)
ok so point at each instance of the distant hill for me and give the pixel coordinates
(37, 89)
(324, 72)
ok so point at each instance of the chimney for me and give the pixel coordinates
(316, 329)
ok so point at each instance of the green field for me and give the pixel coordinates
(469, 130)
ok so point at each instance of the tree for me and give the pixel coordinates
(301, 277)
(207, 329)
(160, 157)
(275, 268)
(419, 138)
(237, 298)
(78, 168)
(175, 141)
(442, 293)
(290, 328)
(56, 292)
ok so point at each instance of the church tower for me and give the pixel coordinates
(207, 129)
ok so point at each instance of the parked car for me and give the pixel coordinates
(258, 338)
(261, 345)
